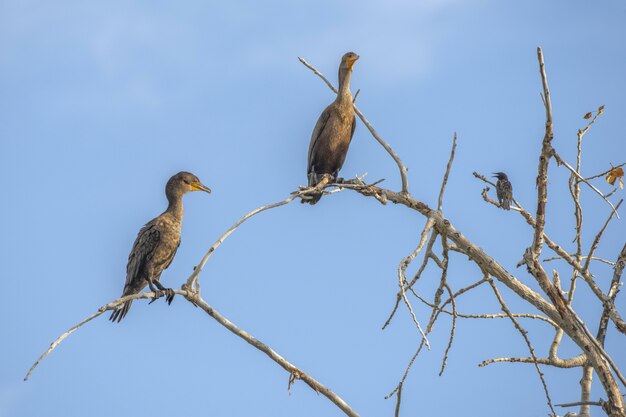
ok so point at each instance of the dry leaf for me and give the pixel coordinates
(614, 174)
(587, 116)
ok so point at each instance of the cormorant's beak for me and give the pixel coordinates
(351, 61)
(198, 186)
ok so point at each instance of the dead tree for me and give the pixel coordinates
(555, 304)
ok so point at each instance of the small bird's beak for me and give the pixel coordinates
(198, 186)
(351, 61)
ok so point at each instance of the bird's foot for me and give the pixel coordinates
(169, 295)
(157, 294)
(157, 291)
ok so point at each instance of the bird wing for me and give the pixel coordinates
(317, 132)
(171, 258)
(145, 244)
(352, 128)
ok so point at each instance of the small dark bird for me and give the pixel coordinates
(157, 242)
(504, 190)
(333, 131)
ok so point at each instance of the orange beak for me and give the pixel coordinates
(198, 186)
(351, 61)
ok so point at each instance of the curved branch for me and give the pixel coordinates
(273, 355)
(195, 299)
(193, 278)
(101, 310)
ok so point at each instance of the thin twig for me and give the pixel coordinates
(620, 263)
(558, 258)
(526, 339)
(398, 400)
(600, 403)
(101, 310)
(596, 241)
(191, 281)
(417, 323)
(561, 161)
(603, 174)
(484, 316)
(445, 177)
(406, 371)
(405, 263)
(452, 330)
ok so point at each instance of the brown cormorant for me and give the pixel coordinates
(504, 190)
(333, 131)
(157, 242)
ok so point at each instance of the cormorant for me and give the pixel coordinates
(333, 131)
(157, 242)
(504, 190)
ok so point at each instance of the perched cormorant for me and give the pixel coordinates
(504, 190)
(157, 242)
(333, 131)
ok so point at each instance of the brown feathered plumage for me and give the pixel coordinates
(504, 190)
(333, 131)
(157, 242)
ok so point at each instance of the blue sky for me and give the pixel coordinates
(100, 103)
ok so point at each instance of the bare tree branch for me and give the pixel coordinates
(191, 283)
(558, 258)
(580, 403)
(603, 174)
(294, 372)
(452, 329)
(561, 161)
(405, 263)
(575, 362)
(596, 240)
(544, 158)
(445, 176)
(524, 334)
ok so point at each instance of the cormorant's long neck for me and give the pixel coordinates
(344, 84)
(175, 206)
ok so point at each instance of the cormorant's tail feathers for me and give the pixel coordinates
(120, 312)
(313, 199)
